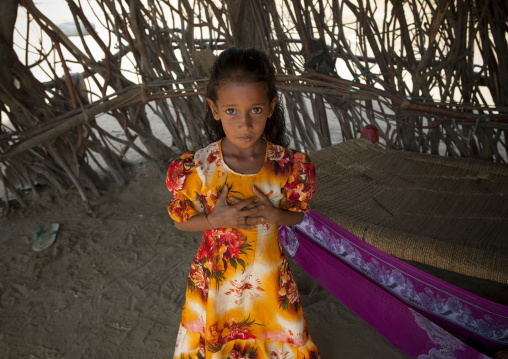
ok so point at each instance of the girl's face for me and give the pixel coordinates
(243, 108)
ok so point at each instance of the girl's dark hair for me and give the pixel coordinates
(245, 65)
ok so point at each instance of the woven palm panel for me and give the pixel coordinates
(450, 213)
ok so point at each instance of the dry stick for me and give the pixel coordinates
(6, 193)
(145, 57)
(28, 178)
(9, 186)
(56, 155)
(434, 28)
(371, 30)
(323, 120)
(301, 26)
(122, 115)
(281, 35)
(44, 169)
(416, 106)
(494, 142)
(405, 39)
(343, 45)
(68, 79)
(302, 127)
(78, 170)
(72, 122)
(55, 31)
(126, 98)
(169, 121)
(140, 37)
(17, 102)
(311, 128)
(500, 44)
(111, 159)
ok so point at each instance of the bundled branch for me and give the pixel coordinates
(430, 75)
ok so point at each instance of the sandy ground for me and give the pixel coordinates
(113, 285)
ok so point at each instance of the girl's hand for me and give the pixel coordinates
(269, 213)
(240, 215)
(267, 210)
(274, 215)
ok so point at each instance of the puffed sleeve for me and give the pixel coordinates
(301, 184)
(184, 183)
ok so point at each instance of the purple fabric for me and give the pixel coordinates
(416, 312)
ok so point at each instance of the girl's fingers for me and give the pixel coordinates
(251, 222)
(238, 201)
(252, 201)
(256, 220)
(243, 204)
(223, 194)
(250, 212)
(262, 197)
(241, 213)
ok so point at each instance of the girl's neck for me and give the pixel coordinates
(244, 160)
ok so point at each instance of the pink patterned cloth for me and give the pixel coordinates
(416, 312)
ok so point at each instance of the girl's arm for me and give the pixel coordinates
(286, 218)
(239, 215)
(195, 224)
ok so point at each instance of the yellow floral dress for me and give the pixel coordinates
(242, 300)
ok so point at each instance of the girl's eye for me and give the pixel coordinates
(257, 110)
(230, 111)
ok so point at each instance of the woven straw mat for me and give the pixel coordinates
(450, 213)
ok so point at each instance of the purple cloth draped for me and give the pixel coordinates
(416, 312)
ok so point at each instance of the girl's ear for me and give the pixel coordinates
(215, 112)
(272, 105)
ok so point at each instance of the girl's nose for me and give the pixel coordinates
(245, 121)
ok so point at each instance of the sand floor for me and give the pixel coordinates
(113, 284)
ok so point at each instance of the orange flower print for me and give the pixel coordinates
(199, 279)
(300, 157)
(202, 347)
(218, 249)
(175, 185)
(175, 178)
(233, 244)
(214, 342)
(243, 353)
(178, 171)
(288, 291)
(241, 289)
(211, 198)
(300, 187)
(207, 244)
(277, 153)
(178, 210)
(280, 159)
(212, 157)
(231, 330)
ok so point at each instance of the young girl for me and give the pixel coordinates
(242, 300)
